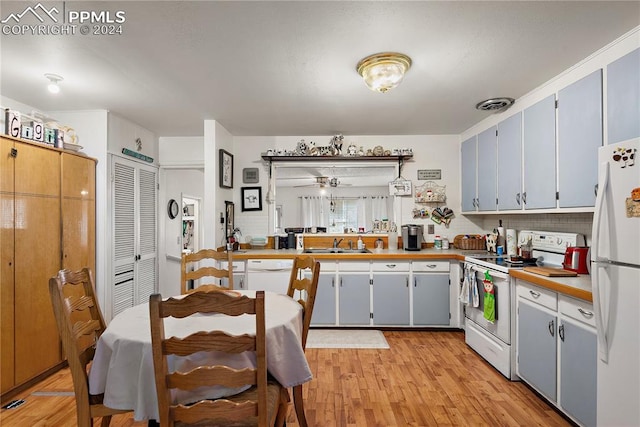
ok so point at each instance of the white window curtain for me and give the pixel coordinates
(380, 207)
(362, 214)
(312, 211)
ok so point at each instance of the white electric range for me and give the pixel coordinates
(495, 340)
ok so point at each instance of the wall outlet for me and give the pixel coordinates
(430, 229)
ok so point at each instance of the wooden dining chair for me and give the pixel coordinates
(80, 324)
(265, 403)
(303, 285)
(213, 257)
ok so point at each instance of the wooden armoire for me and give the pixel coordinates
(47, 214)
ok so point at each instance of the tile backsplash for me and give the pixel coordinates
(562, 222)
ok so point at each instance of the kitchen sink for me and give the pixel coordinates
(336, 251)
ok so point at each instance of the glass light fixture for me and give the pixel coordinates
(383, 71)
(53, 82)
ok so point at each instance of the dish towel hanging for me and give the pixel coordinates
(474, 289)
(489, 298)
(464, 296)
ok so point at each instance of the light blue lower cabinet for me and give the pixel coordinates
(354, 299)
(537, 349)
(578, 372)
(324, 308)
(431, 299)
(391, 299)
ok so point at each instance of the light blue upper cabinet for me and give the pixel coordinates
(468, 164)
(509, 162)
(579, 137)
(539, 148)
(623, 98)
(487, 170)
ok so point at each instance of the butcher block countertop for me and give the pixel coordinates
(449, 254)
(578, 287)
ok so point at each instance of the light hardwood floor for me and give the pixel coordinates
(427, 378)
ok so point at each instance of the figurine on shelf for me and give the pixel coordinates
(352, 150)
(302, 149)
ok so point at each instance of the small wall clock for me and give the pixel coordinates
(173, 208)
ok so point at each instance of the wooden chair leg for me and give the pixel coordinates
(283, 409)
(106, 420)
(299, 405)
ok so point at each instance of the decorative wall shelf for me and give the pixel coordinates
(399, 158)
(430, 192)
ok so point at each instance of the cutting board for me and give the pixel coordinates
(551, 272)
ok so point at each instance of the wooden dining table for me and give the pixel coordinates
(122, 368)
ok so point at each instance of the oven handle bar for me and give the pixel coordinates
(494, 273)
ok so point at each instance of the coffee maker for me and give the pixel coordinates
(412, 237)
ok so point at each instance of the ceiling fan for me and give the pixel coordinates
(325, 181)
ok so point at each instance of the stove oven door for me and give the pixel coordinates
(501, 328)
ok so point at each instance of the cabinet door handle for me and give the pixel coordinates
(585, 313)
(333, 282)
(551, 328)
(415, 282)
(595, 190)
(242, 283)
(430, 265)
(524, 198)
(561, 332)
(535, 294)
(391, 265)
(518, 198)
(341, 282)
(407, 278)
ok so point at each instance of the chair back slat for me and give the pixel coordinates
(220, 409)
(189, 270)
(208, 341)
(222, 375)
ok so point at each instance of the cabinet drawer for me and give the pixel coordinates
(237, 265)
(328, 266)
(390, 266)
(439, 266)
(353, 266)
(541, 296)
(579, 310)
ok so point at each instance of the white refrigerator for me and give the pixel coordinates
(615, 276)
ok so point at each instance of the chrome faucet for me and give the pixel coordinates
(350, 244)
(336, 242)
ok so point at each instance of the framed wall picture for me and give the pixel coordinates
(229, 224)
(250, 176)
(251, 198)
(226, 169)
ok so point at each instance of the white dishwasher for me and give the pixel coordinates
(269, 274)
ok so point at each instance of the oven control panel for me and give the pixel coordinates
(556, 242)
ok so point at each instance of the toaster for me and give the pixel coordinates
(576, 258)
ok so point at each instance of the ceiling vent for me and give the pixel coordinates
(495, 104)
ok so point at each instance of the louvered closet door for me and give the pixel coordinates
(124, 232)
(147, 243)
(134, 233)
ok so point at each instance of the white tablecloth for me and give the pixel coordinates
(123, 365)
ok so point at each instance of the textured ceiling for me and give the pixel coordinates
(288, 68)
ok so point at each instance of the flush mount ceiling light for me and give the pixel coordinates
(495, 104)
(383, 71)
(53, 82)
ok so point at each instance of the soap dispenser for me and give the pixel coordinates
(360, 243)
